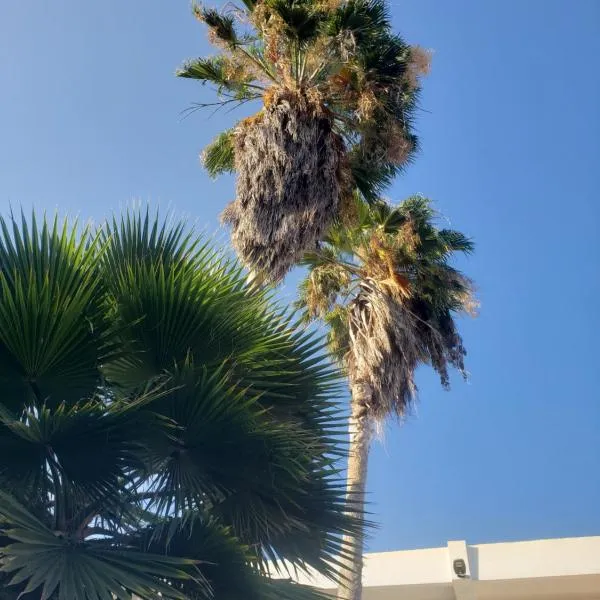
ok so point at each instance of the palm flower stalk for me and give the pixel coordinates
(337, 90)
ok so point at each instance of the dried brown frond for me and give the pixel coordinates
(342, 80)
(367, 105)
(348, 211)
(398, 147)
(308, 102)
(276, 48)
(228, 213)
(289, 166)
(407, 239)
(385, 141)
(215, 40)
(329, 5)
(322, 288)
(346, 45)
(317, 57)
(270, 95)
(249, 122)
(419, 65)
(197, 12)
(389, 339)
(260, 16)
(273, 28)
(380, 266)
(467, 298)
(384, 351)
(421, 59)
(348, 207)
(236, 68)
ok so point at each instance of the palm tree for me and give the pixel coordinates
(337, 90)
(389, 296)
(164, 431)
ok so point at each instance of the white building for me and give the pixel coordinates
(557, 569)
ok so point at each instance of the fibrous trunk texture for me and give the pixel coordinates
(384, 350)
(288, 163)
(350, 585)
(390, 335)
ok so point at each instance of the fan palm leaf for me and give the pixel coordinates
(51, 335)
(181, 433)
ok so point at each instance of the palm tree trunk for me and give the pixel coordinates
(350, 585)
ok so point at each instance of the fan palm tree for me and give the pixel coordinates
(337, 90)
(164, 431)
(389, 295)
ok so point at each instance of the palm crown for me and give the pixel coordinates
(338, 91)
(389, 294)
(163, 430)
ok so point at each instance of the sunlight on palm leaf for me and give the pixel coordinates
(179, 435)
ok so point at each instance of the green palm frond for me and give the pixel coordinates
(25, 472)
(218, 157)
(222, 560)
(140, 238)
(215, 70)
(215, 426)
(455, 241)
(364, 19)
(302, 18)
(83, 456)
(93, 570)
(223, 26)
(370, 180)
(202, 398)
(210, 70)
(226, 564)
(52, 336)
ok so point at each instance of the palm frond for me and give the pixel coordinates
(339, 90)
(218, 157)
(221, 25)
(52, 336)
(403, 296)
(25, 472)
(338, 334)
(204, 398)
(455, 241)
(371, 180)
(302, 18)
(52, 563)
(235, 84)
(365, 19)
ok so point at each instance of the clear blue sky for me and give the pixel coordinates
(90, 120)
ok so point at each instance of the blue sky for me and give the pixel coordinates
(510, 129)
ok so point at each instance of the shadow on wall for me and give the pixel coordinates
(473, 557)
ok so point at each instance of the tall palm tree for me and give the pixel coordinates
(337, 90)
(164, 431)
(389, 295)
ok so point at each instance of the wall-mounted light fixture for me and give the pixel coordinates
(460, 568)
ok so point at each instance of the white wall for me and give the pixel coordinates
(539, 558)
